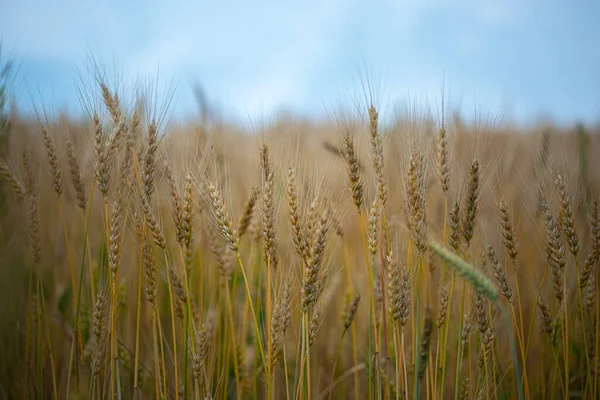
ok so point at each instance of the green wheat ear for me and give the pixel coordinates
(475, 277)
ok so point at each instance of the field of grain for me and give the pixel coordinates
(371, 257)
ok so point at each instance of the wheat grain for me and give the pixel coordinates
(248, 213)
(425, 343)
(499, 273)
(12, 179)
(508, 234)
(350, 312)
(455, 237)
(53, 162)
(442, 159)
(224, 221)
(353, 167)
(471, 207)
(76, 176)
(567, 224)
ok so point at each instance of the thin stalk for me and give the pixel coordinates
(542, 385)
(137, 324)
(417, 303)
(268, 322)
(91, 392)
(459, 349)
(405, 372)
(113, 300)
(115, 343)
(257, 329)
(90, 272)
(522, 347)
(307, 348)
(28, 322)
(595, 391)
(221, 337)
(45, 317)
(369, 357)
(557, 368)
(446, 332)
(70, 263)
(185, 349)
(537, 298)
(353, 327)
(233, 342)
(372, 322)
(583, 327)
(162, 352)
(300, 366)
(437, 358)
(256, 275)
(246, 301)
(513, 350)
(397, 359)
(200, 268)
(337, 355)
(493, 358)
(441, 340)
(521, 333)
(40, 387)
(556, 371)
(469, 350)
(382, 278)
(156, 356)
(187, 328)
(285, 369)
(566, 338)
(139, 293)
(486, 372)
(172, 304)
(80, 285)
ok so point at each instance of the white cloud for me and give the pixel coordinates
(270, 52)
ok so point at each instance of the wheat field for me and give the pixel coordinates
(364, 256)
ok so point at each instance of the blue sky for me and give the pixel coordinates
(516, 59)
